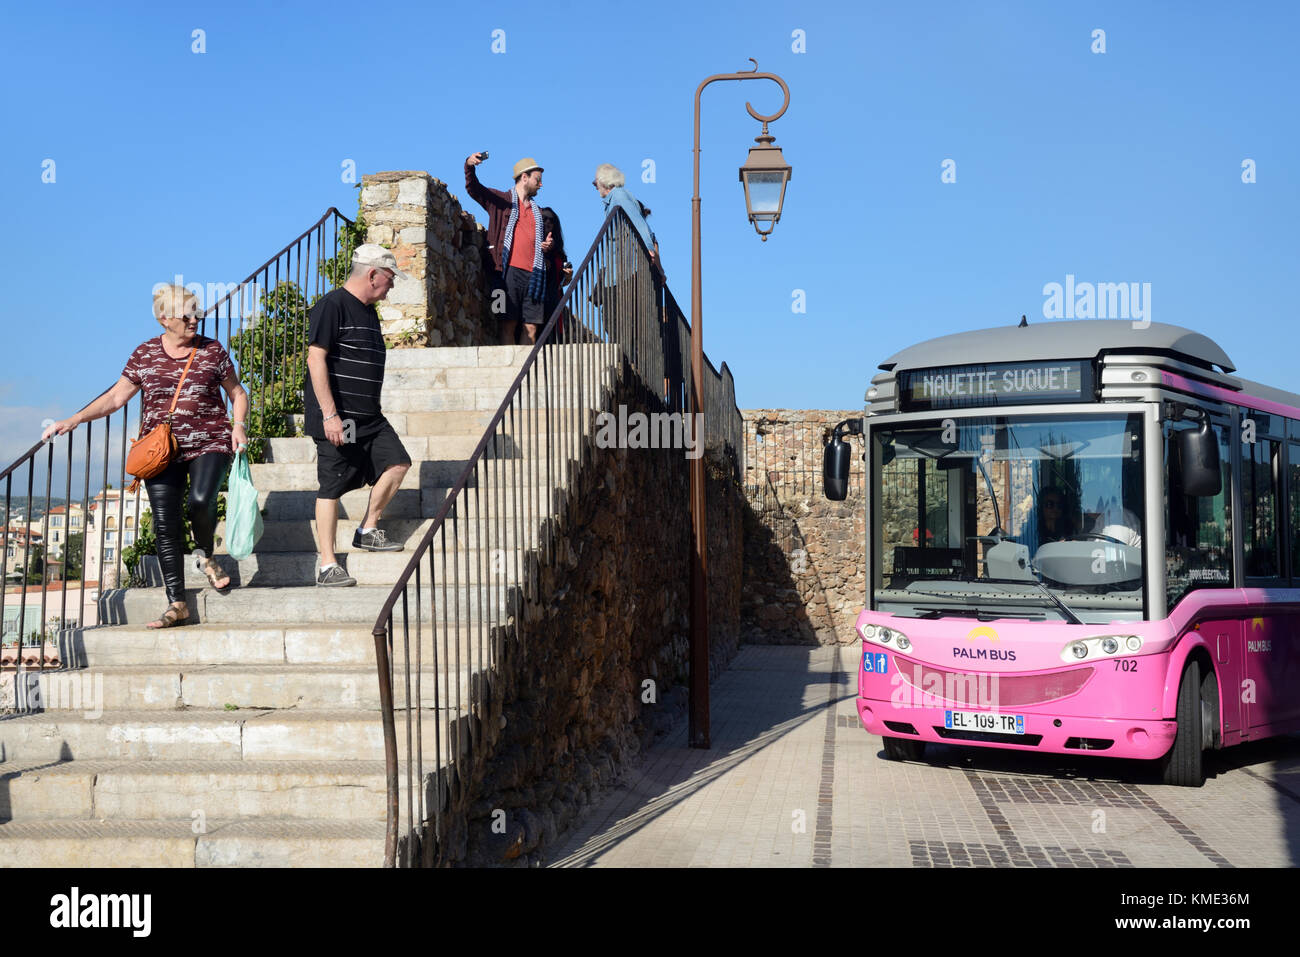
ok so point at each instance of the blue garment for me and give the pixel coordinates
(620, 196)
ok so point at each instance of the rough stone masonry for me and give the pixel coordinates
(804, 577)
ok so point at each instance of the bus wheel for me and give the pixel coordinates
(903, 749)
(1182, 766)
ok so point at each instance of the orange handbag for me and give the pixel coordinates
(150, 453)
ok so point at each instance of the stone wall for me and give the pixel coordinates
(600, 667)
(804, 577)
(446, 300)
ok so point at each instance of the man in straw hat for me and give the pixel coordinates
(355, 445)
(518, 247)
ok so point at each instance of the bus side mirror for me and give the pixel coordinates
(1198, 453)
(835, 468)
(836, 460)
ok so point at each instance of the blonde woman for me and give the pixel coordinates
(206, 439)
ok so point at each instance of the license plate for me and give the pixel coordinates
(984, 721)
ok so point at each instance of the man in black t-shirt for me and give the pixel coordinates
(355, 445)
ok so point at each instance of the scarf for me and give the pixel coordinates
(536, 281)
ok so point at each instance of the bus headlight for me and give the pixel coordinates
(1100, 645)
(880, 635)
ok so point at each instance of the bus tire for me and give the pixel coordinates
(1182, 766)
(903, 749)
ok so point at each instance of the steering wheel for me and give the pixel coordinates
(1094, 536)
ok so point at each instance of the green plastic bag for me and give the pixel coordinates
(243, 517)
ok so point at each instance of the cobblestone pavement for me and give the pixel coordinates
(794, 780)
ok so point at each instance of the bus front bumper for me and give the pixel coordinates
(1023, 730)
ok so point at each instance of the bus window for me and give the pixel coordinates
(1198, 531)
(1259, 508)
(915, 516)
(1294, 492)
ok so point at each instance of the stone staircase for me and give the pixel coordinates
(254, 738)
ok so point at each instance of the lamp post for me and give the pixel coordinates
(764, 176)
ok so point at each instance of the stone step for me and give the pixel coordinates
(440, 436)
(407, 503)
(300, 536)
(560, 397)
(284, 569)
(306, 604)
(266, 843)
(495, 357)
(179, 790)
(450, 377)
(262, 644)
(457, 357)
(506, 468)
(194, 735)
(105, 690)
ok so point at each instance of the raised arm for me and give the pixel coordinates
(108, 403)
(487, 198)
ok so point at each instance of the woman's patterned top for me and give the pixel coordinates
(200, 423)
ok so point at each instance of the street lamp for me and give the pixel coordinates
(765, 175)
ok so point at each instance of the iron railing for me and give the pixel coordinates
(784, 454)
(476, 571)
(263, 322)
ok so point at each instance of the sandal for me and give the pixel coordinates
(171, 618)
(213, 572)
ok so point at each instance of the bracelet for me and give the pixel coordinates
(242, 425)
(333, 415)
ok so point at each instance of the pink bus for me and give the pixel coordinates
(1081, 537)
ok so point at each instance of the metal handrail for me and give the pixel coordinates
(294, 263)
(634, 311)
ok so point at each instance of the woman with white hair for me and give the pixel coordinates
(612, 186)
(205, 440)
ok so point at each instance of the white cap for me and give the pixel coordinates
(372, 254)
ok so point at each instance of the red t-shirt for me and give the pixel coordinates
(200, 423)
(524, 239)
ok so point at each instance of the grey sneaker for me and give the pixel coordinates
(335, 576)
(374, 541)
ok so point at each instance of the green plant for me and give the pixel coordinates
(74, 555)
(272, 352)
(272, 358)
(146, 541)
(337, 267)
(36, 566)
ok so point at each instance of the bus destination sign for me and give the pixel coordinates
(999, 383)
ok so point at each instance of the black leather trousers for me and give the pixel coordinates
(168, 502)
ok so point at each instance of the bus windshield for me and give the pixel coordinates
(1009, 515)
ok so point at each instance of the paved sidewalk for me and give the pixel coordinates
(793, 780)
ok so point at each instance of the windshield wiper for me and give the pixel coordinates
(1071, 616)
(978, 613)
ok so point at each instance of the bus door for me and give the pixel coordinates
(1224, 640)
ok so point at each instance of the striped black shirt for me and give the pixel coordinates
(355, 354)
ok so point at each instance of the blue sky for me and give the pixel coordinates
(1122, 166)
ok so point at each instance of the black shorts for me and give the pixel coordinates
(342, 468)
(519, 308)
